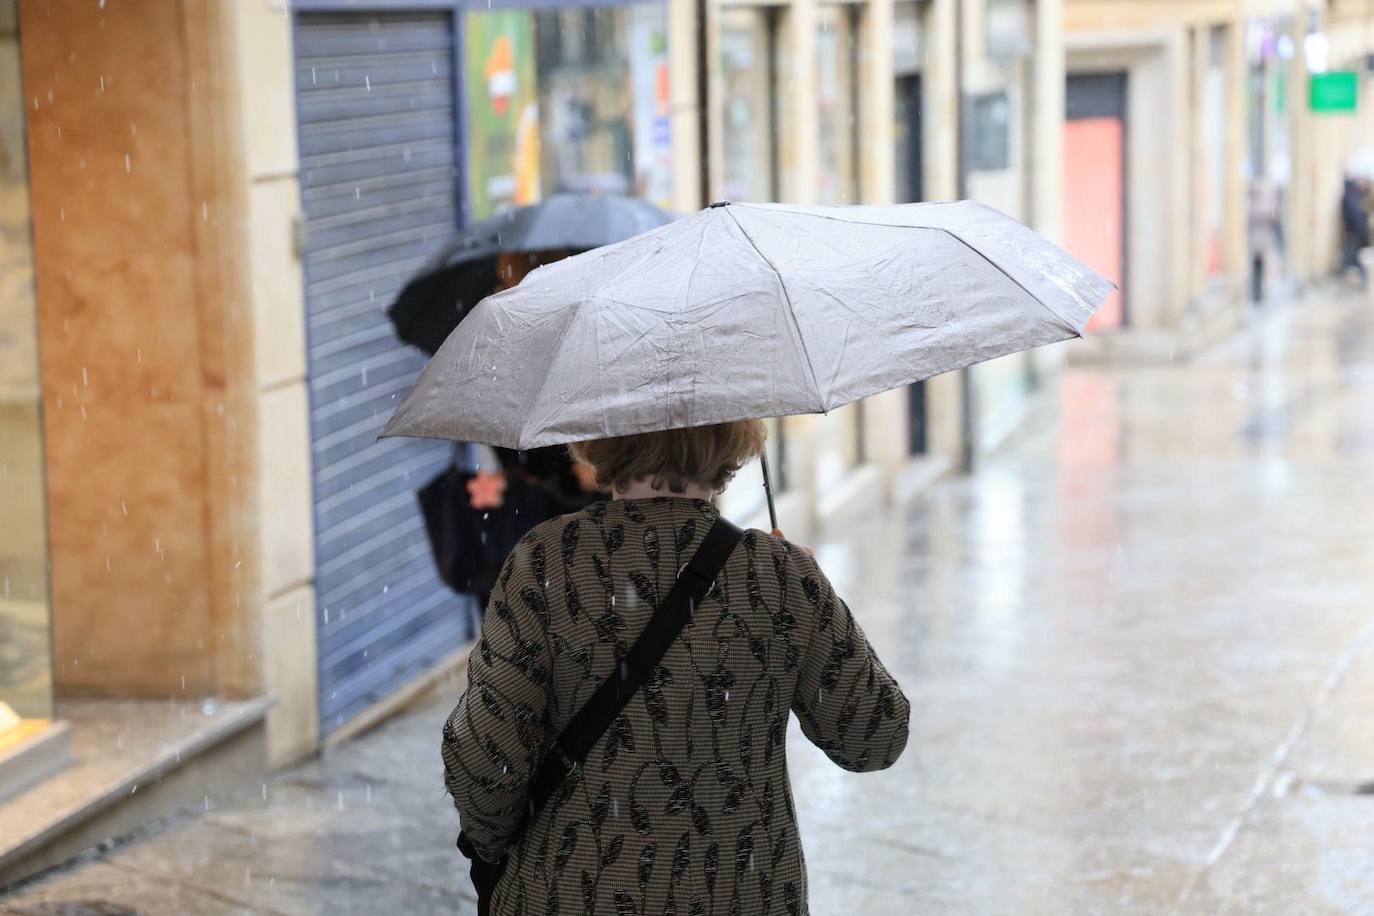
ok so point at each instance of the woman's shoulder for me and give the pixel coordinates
(780, 551)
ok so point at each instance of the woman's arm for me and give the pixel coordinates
(496, 736)
(847, 703)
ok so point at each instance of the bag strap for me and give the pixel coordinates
(585, 728)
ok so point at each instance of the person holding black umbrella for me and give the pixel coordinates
(474, 516)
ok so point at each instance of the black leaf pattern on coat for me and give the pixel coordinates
(678, 801)
(588, 894)
(712, 858)
(603, 574)
(669, 774)
(654, 699)
(571, 534)
(684, 536)
(771, 639)
(779, 849)
(535, 602)
(744, 851)
(651, 546)
(682, 856)
(490, 703)
(566, 845)
(701, 820)
(646, 864)
(601, 805)
(644, 589)
(539, 565)
(618, 736)
(639, 817)
(734, 797)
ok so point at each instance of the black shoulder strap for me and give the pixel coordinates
(584, 729)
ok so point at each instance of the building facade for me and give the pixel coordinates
(207, 206)
(1199, 117)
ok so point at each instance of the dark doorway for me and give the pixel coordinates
(910, 189)
(910, 163)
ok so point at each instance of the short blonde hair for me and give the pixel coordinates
(707, 456)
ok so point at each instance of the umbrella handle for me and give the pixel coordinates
(768, 490)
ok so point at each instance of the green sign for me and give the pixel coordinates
(1334, 92)
(502, 111)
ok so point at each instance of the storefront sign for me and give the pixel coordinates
(502, 113)
(1334, 92)
(653, 153)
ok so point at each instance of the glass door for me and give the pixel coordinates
(26, 691)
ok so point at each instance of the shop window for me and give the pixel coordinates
(1010, 26)
(907, 54)
(837, 59)
(748, 117)
(567, 100)
(987, 141)
(26, 691)
(1213, 126)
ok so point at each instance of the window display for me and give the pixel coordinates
(25, 637)
(748, 63)
(573, 99)
(837, 73)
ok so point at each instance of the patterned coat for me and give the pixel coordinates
(684, 806)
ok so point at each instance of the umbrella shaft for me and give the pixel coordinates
(768, 489)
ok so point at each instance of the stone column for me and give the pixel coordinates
(885, 416)
(1199, 171)
(877, 104)
(798, 133)
(685, 32)
(1299, 193)
(1046, 172)
(941, 88)
(1235, 242)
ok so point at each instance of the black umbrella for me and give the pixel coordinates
(431, 305)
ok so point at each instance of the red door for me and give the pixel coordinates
(1094, 185)
(1093, 225)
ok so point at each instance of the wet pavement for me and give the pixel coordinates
(1139, 645)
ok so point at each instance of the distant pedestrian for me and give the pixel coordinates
(1264, 232)
(1355, 227)
(683, 804)
(474, 516)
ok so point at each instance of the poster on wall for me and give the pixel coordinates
(502, 112)
(653, 153)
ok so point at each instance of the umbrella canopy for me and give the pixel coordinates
(744, 311)
(431, 304)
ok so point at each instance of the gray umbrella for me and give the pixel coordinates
(434, 301)
(744, 311)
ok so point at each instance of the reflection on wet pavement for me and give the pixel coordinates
(1139, 646)
(1138, 643)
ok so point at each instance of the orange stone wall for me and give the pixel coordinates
(146, 343)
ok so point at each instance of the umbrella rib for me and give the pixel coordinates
(562, 335)
(952, 234)
(815, 386)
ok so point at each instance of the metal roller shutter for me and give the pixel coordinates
(379, 186)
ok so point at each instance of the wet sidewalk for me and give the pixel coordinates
(1139, 646)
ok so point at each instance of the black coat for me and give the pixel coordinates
(1354, 217)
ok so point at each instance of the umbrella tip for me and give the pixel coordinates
(719, 203)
